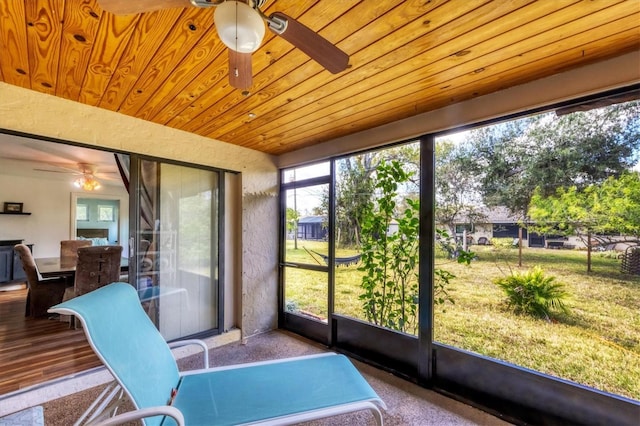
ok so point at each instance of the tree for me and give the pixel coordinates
(390, 259)
(354, 187)
(548, 152)
(457, 196)
(593, 213)
(353, 191)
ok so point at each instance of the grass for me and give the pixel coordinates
(597, 343)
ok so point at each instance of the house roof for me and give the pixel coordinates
(312, 219)
(405, 58)
(499, 214)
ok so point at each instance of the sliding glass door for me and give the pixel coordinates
(176, 237)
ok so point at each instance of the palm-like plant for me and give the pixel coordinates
(534, 293)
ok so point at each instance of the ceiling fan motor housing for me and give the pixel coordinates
(239, 26)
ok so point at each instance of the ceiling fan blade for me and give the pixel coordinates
(240, 69)
(57, 171)
(314, 45)
(129, 7)
(67, 168)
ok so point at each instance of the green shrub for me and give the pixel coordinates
(533, 293)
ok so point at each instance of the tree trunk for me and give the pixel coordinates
(589, 252)
(519, 246)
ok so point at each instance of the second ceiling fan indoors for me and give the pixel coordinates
(241, 28)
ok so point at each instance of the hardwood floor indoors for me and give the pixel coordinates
(35, 350)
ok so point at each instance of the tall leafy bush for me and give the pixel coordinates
(390, 259)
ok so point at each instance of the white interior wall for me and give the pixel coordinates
(49, 202)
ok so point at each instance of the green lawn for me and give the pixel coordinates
(596, 344)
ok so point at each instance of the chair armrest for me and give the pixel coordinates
(164, 410)
(198, 342)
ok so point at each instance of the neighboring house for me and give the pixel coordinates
(499, 222)
(496, 222)
(315, 228)
(312, 228)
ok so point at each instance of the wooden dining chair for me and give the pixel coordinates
(42, 292)
(97, 266)
(69, 249)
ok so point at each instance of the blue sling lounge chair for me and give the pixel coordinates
(283, 391)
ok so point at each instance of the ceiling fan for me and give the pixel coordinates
(240, 26)
(87, 174)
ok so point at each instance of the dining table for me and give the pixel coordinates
(66, 266)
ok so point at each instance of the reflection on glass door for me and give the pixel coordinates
(177, 254)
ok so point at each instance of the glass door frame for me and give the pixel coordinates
(134, 231)
(312, 329)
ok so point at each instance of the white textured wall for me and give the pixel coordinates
(36, 113)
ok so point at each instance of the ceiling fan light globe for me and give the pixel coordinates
(239, 26)
(87, 183)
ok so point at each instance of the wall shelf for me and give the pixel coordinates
(16, 213)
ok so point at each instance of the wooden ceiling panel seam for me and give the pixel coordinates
(116, 63)
(307, 117)
(190, 122)
(138, 54)
(499, 82)
(394, 56)
(165, 59)
(13, 42)
(192, 67)
(336, 81)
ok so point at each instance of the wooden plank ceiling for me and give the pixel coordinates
(406, 57)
